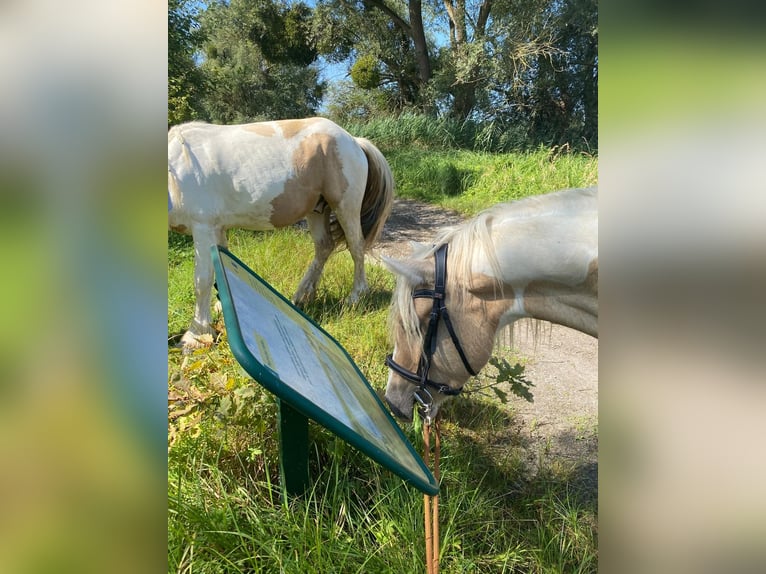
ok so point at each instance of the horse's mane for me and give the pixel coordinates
(466, 240)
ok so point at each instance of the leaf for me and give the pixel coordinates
(174, 414)
(224, 407)
(514, 376)
(520, 388)
(417, 424)
(218, 381)
(196, 365)
(246, 392)
(503, 396)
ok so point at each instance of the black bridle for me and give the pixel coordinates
(438, 311)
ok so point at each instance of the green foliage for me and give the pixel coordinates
(528, 70)
(282, 34)
(512, 376)
(184, 78)
(257, 63)
(366, 72)
(514, 75)
(419, 130)
(414, 130)
(348, 105)
(453, 180)
(486, 179)
(548, 85)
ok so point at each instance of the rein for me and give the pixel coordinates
(431, 503)
(438, 313)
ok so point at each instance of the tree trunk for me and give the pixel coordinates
(465, 92)
(419, 40)
(413, 30)
(465, 99)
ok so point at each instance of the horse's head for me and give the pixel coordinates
(438, 336)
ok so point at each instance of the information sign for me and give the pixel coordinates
(298, 361)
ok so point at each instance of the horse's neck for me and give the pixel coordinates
(574, 306)
(545, 269)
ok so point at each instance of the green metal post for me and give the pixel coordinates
(293, 449)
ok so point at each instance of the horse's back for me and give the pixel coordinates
(229, 149)
(237, 171)
(547, 237)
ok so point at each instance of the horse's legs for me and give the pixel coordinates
(204, 238)
(352, 228)
(319, 227)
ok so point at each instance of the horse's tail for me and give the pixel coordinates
(378, 195)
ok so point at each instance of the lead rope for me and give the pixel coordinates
(431, 503)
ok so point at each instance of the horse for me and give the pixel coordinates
(535, 258)
(267, 175)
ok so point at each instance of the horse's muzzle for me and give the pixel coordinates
(407, 418)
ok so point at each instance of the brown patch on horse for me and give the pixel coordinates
(265, 130)
(571, 306)
(292, 127)
(318, 173)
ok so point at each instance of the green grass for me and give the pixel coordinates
(226, 511)
(468, 181)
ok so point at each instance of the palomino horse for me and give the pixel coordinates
(537, 257)
(267, 175)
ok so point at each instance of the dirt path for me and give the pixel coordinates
(562, 422)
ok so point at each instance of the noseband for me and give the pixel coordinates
(438, 312)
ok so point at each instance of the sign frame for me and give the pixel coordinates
(294, 405)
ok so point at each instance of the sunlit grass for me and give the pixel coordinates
(469, 181)
(226, 511)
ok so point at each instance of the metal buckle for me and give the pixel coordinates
(425, 402)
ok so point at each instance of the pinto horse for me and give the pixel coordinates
(268, 175)
(537, 258)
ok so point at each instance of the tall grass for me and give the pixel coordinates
(226, 511)
(414, 130)
(426, 132)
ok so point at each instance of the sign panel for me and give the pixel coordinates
(304, 366)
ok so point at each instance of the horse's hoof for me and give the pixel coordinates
(189, 342)
(304, 300)
(355, 297)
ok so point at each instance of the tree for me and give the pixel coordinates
(520, 72)
(438, 76)
(184, 78)
(378, 40)
(467, 57)
(550, 87)
(257, 61)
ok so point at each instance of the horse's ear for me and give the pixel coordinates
(415, 270)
